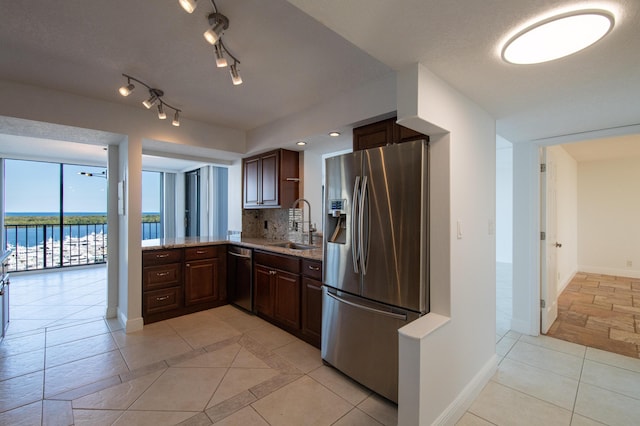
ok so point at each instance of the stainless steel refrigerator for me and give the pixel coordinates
(376, 275)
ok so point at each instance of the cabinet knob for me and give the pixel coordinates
(272, 272)
(188, 265)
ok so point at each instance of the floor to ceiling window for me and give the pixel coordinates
(152, 200)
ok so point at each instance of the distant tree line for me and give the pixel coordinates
(68, 220)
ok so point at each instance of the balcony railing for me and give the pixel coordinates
(38, 246)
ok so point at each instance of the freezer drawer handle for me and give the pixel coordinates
(402, 317)
(239, 255)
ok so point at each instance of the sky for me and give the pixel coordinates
(32, 186)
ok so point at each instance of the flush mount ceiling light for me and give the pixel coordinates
(218, 23)
(155, 96)
(557, 37)
(334, 134)
(301, 143)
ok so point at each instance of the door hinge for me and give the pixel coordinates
(543, 236)
(543, 168)
(543, 304)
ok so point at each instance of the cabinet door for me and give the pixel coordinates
(263, 290)
(251, 182)
(312, 309)
(270, 178)
(287, 299)
(200, 281)
(373, 135)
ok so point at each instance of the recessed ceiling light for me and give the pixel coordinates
(557, 37)
(334, 134)
(301, 143)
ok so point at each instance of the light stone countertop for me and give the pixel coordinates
(255, 243)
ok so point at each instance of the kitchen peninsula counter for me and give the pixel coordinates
(254, 243)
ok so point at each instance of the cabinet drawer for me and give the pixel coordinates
(195, 253)
(277, 261)
(155, 257)
(161, 276)
(312, 268)
(161, 300)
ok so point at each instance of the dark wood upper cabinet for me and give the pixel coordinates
(271, 179)
(382, 133)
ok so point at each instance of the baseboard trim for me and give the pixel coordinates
(130, 326)
(630, 273)
(567, 281)
(463, 401)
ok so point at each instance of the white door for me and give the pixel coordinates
(549, 246)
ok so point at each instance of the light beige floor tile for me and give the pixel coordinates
(22, 345)
(149, 334)
(542, 384)
(615, 360)
(114, 324)
(501, 405)
(578, 420)
(95, 417)
(82, 372)
(301, 355)
(154, 350)
(56, 413)
(270, 336)
(195, 320)
(208, 333)
(472, 420)
(118, 397)
(546, 359)
(340, 384)
(18, 326)
(612, 378)
(304, 401)
(226, 311)
(21, 390)
(238, 380)
(200, 419)
(244, 322)
(380, 409)
(504, 345)
(607, 407)
(356, 417)
(245, 417)
(555, 344)
(221, 358)
(152, 418)
(513, 334)
(181, 389)
(246, 359)
(17, 365)
(78, 349)
(76, 332)
(27, 415)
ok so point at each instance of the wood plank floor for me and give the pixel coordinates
(600, 311)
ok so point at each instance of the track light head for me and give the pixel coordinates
(235, 76)
(126, 90)
(176, 119)
(155, 95)
(161, 114)
(221, 61)
(188, 5)
(218, 24)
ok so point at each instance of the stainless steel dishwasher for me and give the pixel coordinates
(239, 276)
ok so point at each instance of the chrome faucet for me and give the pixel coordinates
(311, 229)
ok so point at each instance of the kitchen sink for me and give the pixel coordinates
(293, 246)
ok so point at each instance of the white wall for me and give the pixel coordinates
(567, 215)
(447, 356)
(504, 200)
(312, 185)
(609, 208)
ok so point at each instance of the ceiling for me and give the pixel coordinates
(299, 53)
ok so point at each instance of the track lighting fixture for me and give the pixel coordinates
(218, 23)
(155, 97)
(188, 5)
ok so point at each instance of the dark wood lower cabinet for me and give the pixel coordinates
(312, 310)
(286, 306)
(200, 283)
(263, 290)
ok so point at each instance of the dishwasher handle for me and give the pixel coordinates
(239, 255)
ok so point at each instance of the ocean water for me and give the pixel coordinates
(30, 236)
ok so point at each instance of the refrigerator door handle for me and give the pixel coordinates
(355, 248)
(364, 249)
(402, 317)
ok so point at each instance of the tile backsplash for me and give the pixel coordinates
(275, 224)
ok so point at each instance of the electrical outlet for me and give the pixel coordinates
(266, 224)
(629, 263)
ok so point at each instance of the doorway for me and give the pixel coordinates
(192, 204)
